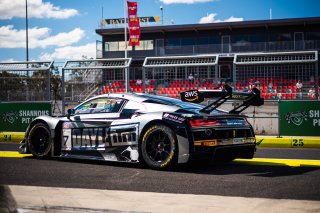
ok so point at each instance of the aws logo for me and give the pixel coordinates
(193, 96)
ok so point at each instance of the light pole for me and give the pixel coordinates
(27, 51)
(161, 8)
(27, 42)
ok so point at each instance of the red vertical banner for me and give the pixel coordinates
(133, 24)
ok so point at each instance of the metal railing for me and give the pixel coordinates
(25, 81)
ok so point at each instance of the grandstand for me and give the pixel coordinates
(270, 54)
(275, 74)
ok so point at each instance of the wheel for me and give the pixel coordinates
(39, 141)
(159, 148)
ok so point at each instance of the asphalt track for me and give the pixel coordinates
(291, 175)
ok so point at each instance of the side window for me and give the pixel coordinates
(100, 105)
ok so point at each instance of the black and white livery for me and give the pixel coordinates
(156, 130)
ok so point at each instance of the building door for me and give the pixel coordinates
(225, 44)
(298, 41)
(159, 47)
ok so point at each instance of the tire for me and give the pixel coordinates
(159, 148)
(39, 141)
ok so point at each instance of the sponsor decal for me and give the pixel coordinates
(296, 118)
(174, 118)
(211, 142)
(99, 137)
(124, 21)
(25, 116)
(10, 117)
(192, 96)
(238, 96)
(235, 122)
(299, 117)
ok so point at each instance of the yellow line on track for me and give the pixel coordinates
(7, 154)
(279, 162)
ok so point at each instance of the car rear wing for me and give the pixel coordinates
(251, 98)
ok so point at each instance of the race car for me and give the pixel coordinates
(158, 131)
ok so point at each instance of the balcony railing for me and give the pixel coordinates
(220, 48)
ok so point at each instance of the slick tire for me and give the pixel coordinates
(39, 141)
(159, 147)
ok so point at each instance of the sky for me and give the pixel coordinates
(63, 30)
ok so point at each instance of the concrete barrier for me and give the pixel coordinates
(11, 136)
(288, 142)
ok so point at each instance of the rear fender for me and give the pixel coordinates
(51, 122)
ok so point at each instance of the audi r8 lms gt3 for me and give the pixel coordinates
(156, 130)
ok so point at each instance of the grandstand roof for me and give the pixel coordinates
(221, 25)
(181, 61)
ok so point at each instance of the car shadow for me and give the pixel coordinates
(210, 168)
(229, 168)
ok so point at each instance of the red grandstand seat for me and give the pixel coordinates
(268, 96)
(289, 96)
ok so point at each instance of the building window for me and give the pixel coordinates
(176, 42)
(145, 45)
(260, 38)
(280, 37)
(115, 46)
(171, 43)
(209, 40)
(187, 41)
(313, 36)
(240, 40)
(280, 42)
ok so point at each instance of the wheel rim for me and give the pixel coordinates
(40, 141)
(158, 146)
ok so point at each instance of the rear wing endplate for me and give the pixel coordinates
(251, 98)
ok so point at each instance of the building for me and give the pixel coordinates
(276, 53)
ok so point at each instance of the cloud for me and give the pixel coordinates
(211, 18)
(71, 52)
(185, 1)
(8, 60)
(233, 19)
(36, 9)
(38, 37)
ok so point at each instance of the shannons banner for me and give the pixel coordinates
(134, 24)
(15, 117)
(299, 118)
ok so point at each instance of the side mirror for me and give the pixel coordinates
(70, 112)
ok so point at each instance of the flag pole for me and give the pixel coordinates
(126, 45)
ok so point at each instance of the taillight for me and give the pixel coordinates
(204, 122)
